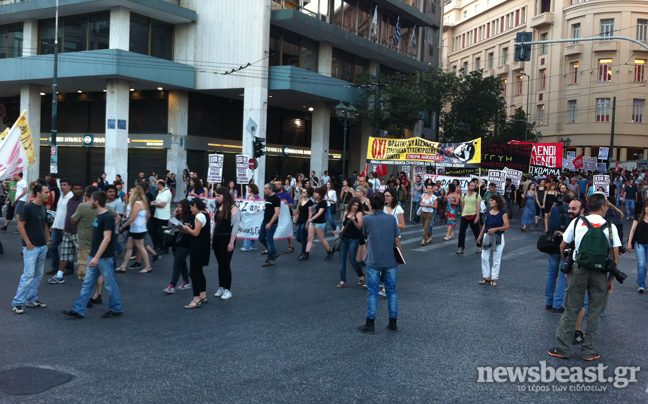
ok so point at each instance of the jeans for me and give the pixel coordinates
(106, 269)
(373, 280)
(301, 235)
(554, 297)
(349, 247)
(57, 238)
(249, 243)
(630, 207)
(266, 237)
(180, 266)
(641, 250)
(509, 208)
(329, 217)
(463, 226)
(416, 218)
(118, 247)
(34, 261)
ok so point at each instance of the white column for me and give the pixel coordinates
(178, 127)
(117, 104)
(120, 28)
(30, 101)
(358, 146)
(325, 59)
(587, 152)
(579, 151)
(255, 108)
(645, 154)
(623, 154)
(30, 38)
(320, 139)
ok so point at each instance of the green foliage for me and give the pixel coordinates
(514, 128)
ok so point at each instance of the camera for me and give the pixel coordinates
(569, 261)
(610, 266)
(622, 250)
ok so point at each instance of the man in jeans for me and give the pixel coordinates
(161, 216)
(269, 225)
(33, 230)
(417, 190)
(382, 235)
(630, 196)
(100, 262)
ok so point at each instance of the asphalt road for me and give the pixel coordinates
(289, 335)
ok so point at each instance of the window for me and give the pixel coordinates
(602, 110)
(491, 60)
(465, 68)
(523, 15)
(520, 84)
(545, 6)
(76, 34)
(344, 66)
(576, 31)
(545, 46)
(504, 85)
(11, 41)
(478, 64)
(572, 111)
(151, 37)
(541, 115)
(607, 27)
(573, 72)
(637, 111)
(605, 70)
(642, 30)
(542, 84)
(488, 30)
(639, 70)
(517, 17)
(505, 56)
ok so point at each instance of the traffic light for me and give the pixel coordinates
(523, 52)
(258, 147)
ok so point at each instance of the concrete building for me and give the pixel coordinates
(160, 84)
(571, 86)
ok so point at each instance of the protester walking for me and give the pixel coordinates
(638, 239)
(528, 214)
(452, 201)
(199, 231)
(250, 244)
(302, 214)
(317, 224)
(181, 248)
(469, 216)
(331, 201)
(428, 204)
(138, 214)
(269, 224)
(227, 219)
(346, 193)
(351, 235)
(492, 239)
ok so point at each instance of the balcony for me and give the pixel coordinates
(542, 20)
(605, 46)
(574, 49)
(500, 70)
(638, 48)
(489, 72)
(517, 66)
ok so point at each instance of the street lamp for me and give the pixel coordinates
(526, 130)
(566, 143)
(346, 115)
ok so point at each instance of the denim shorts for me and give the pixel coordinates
(318, 225)
(19, 207)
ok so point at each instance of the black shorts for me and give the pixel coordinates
(10, 211)
(138, 236)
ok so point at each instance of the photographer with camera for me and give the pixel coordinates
(596, 253)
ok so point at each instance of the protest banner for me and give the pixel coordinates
(215, 173)
(242, 163)
(571, 155)
(447, 180)
(16, 148)
(578, 162)
(603, 153)
(601, 181)
(496, 156)
(589, 163)
(546, 158)
(514, 175)
(498, 177)
(568, 164)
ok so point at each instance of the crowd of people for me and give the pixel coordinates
(71, 223)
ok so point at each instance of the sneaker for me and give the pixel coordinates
(382, 293)
(555, 354)
(72, 313)
(641, 290)
(169, 289)
(4, 228)
(110, 314)
(477, 250)
(579, 338)
(226, 294)
(246, 249)
(17, 309)
(460, 250)
(548, 306)
(184, 286)
(219, 292)
(594, 357)
(136, 265)
(55, 280)
(36, 305)
(253, 248)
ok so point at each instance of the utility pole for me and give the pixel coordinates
(611, 153)
(53, 146)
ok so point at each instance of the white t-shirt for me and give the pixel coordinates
(596, 221)
(20, 187)
(61, 211)
(118, 206)
(430, 201)
(201, 218)
(163, 213)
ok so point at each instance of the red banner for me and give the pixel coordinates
(545, 154)
(578, 162)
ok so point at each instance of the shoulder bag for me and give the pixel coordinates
(338, 241)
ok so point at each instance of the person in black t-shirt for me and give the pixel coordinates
(317, 224)
(510, 195)
(101, 261)
(35, 235)
(270, 221)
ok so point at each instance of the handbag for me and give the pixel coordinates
(338, 241)
(549, 244)
(419, 211)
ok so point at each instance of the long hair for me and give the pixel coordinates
(139, 195)
(226, 207)
(321, 192)
(198, 185)
(394, 195)
(186, 210)
(353, 201)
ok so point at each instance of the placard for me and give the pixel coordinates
(447, 180)
(514, 175)
(589, 163)
(242, 162)
(498, 177)
(599, 181)
(215, 173)
(603, 153)
(571, 155)
(602, 168)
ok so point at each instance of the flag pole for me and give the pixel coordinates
(412, 198)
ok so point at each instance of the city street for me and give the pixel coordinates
(289, 335)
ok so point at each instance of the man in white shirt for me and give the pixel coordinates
(58, 227)
(593, 281)
(22, 195)
(162, 215)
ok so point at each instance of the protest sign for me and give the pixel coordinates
(589, 163)
(496, 156)
(602, 168)
(242, 163)
(498, 177)
(447, 180)
(571, 155)
(603, 153)
(514, 175)
(601, 181)
(215, 173)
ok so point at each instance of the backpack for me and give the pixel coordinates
(593, 249)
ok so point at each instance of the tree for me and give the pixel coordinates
(478, 104)
(439, 88)
(514, 129)
(393, 103)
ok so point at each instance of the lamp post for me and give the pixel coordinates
(526, 130)
(566, 143)
(54, 133)
(346, 115)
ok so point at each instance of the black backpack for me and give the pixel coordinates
(550, 244)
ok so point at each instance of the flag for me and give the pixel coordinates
(578, 162)
(365, 170)
(397, 32)
(16, 149)
(617, 166)
(414, 38)
(381, 170)
(374, 24)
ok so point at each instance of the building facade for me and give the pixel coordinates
(571, 86)
(160, 84)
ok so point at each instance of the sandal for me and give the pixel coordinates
(341, 285)
(264, 252)
(194, 304)
(289, 250)
(204, 300)
(423, 241)
(121, 269)
(361, 280)
(484, 281)
(493, 282)
(146, 270)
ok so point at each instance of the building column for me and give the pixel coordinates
(178, 128)
(623, 154)
(587, 152)
(579, 151)
(613, 153)
(255, 116)
(358, 144)
(120, 28)
(116, 149)
(320, 139)
(30, 38)
(325, 59)
(30, 101)
(645, 154)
